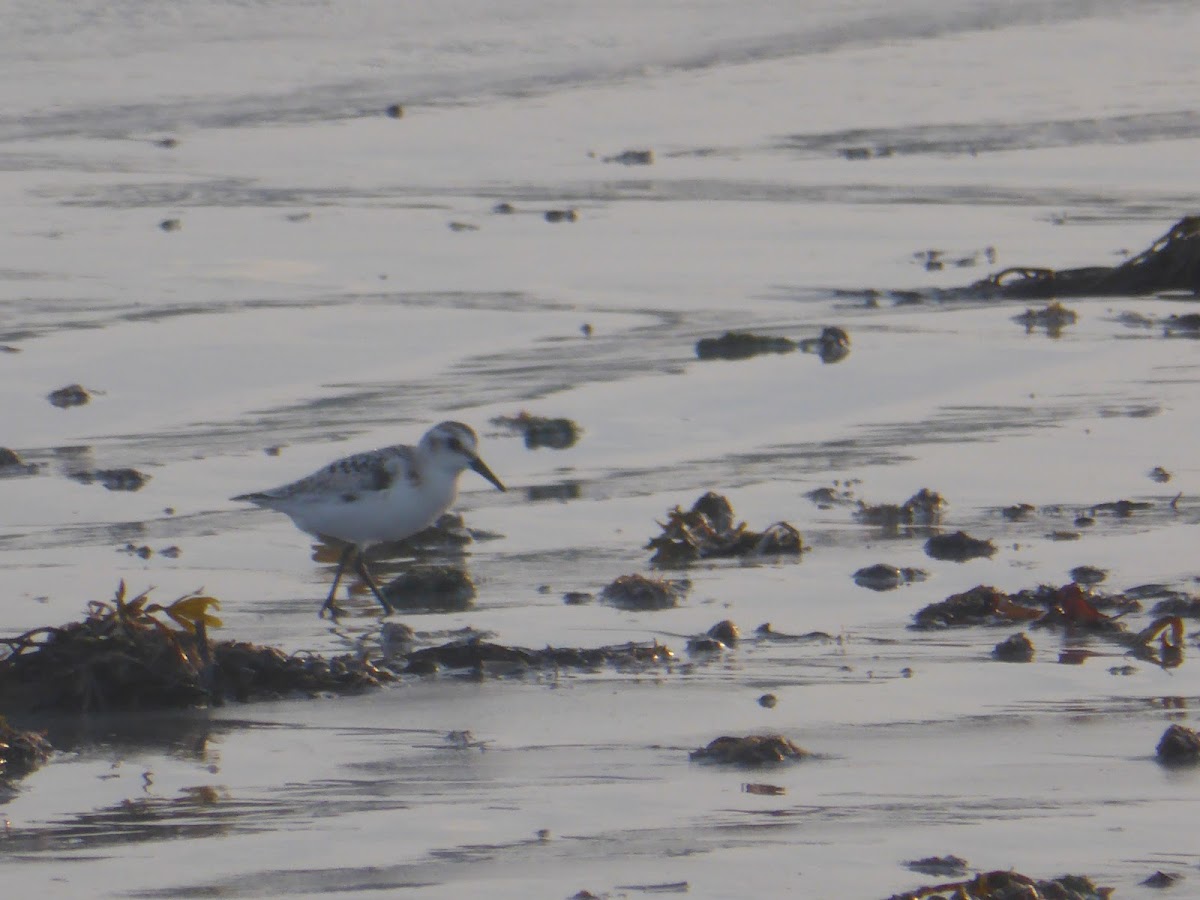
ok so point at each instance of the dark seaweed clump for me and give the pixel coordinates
(20, 753)
(133, 654)
(480, 657)
(751, 750)
(540, 431)
(708, 530)
(1006, 884)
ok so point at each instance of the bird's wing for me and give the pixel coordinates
(362, 473)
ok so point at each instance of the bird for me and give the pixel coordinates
(380, 495)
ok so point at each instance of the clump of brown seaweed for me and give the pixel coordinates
(133, 654)
(733, 345)
(924, 508)
(751, 750)
(1006, 884)
(708, 530)
(540, 431)
(20, 752)
(641, 593)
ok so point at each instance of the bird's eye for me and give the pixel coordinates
(456, 445)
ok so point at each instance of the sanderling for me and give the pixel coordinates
(382, 495)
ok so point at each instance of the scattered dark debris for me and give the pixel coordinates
(171, 552)
(708, 531)
(1122, 509)
(1122, 670)
(1179, 745)
(958, 547)
(167, 143)
(1053, 318)
(133, 654)
(765, 631)
(861, 153)
(726, 632)
(641, 593)
(561, 215)
(578, 598)
(539, 431)
(1084, 521)
(734, 345)
(395, 111)
(1189, 322)
(841, 493)
(632, 158)
(923, 508)
(751, 750)
(1159, 474)
(1068, 607)
(504, 209)
(114, 479)
(832, 346)
(939, 866)
(1162, 879)
(1171, 263)
(885, 577)
(1062, 535)
(764, 790)
(482, 657)
(461, 226)
(298, 216)
(71, 395)
(440, 589)
(1018, 512)
(1088, 575)
(170, 224)
(1014, 648)
(20, 753)
(1009, 885)
(768, 701)
(134, 550)
(562, 491)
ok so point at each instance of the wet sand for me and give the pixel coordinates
(315, 302)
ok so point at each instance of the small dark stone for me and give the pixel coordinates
(768, 701)
(171, 552)
(71, 395)
(431, 588)
(939, 866)
(641, 593)
(632, 158)
(504, 209)
(170, 224)
(1162, 879)
(885, 577)
(561, 215)
(541, 431)
(1018, 512)
(395, 111)
(726, 632)
(114, 479)
(1088, 575)
(1179, 746)
(1015, 648)
(167, 143)
(577, 598)
(958, 547)
(1159, 474)
(705, 645)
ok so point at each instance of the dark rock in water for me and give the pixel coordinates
(20, 753)
(114, 479)
(702, 645)
(479, 656)
(432, 589)
(12, 465)
(742, 345)
(1018, 512)
(170, 224)
(71, 395)
(577, 598)
(632, 158)
(641, 593)
(1015, 648)
(462, 226)
(832, 346)
(939, 866)
(1179, 746)
(885, 577)
(561, 215)
(540, 431)
(1162, 879)
(1053, 318)
(752, 750)
(768, 701)
(726, 632)
(958, 547)
(1159, 474)
(923, 508)
(1123, 509)
(395, 111)
(504, 209)
(1088, 575)
(8, 458)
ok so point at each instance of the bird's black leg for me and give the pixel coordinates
(330, 603)
(361, 567)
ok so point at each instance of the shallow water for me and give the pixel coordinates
(315, 302)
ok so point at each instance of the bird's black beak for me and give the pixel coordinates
(481, 467)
